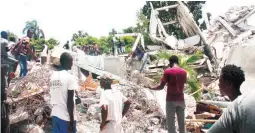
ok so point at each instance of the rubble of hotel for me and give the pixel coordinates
(29, 97)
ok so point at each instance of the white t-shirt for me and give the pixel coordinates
(60, 83)
(44, 52)
(114, 99)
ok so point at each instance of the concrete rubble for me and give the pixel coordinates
(29, 97)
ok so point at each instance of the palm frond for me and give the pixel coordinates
(194, 85)
(194, 58)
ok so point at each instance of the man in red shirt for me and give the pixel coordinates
(175, 78)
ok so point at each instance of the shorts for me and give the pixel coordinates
(61, 126)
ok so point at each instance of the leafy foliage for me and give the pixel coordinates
(184, 62)
(105, 43)
(142, 27)
(33, 25)
(11, 34)
(80, 34)
(170, 15)
(39, 42)
(51, 43)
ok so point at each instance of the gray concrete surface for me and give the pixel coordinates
(117, 65)
(244, 56)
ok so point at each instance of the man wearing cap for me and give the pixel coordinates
(111, 102)
(23, 49)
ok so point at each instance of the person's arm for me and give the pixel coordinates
(126, 107)
(72, 86)
(70, 105)
(158, 87)
(104, 110)
(162, 84)
(228, 121)
(127, 104)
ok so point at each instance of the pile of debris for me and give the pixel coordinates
(230, 30)
(28, 97)
(227, 32)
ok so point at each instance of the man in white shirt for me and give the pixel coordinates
(44, 53)
(111, 102)
(62, 88)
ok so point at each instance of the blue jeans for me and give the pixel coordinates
(61, 126)
(23, 65)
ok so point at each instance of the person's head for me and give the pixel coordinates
(4, 35)
(231, 78)
(66, 61)
(173, 60)
(67, 42)
(106, 82)
(30, 33)
(13, 39)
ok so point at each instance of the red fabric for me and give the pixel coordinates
(24, 49)
(175, 78)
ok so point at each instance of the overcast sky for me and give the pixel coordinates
(61, 18)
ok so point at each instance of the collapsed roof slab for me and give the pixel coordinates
(243, 56)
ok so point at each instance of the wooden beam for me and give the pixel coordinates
(166, 7)
(171, 22)
(200, 120)
(227, 26)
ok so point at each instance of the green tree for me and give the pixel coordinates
(184, 62)
(129, 30)
(142, 27)
(195, 8)
(11, 34)
(79, 35)
(51, 43)
(37, 43)
(33, 25)
(113, 32)
(105, 44)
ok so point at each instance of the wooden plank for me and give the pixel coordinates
(171, 22)
(199, 120)
(166, 7)
(227, 26)
(13, 100)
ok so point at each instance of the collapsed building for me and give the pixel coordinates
(229, 38)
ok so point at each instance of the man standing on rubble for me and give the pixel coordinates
(111, 102)
(62, 88)
(175, 78)
(24, 48)
(240, 115)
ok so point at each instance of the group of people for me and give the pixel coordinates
(13, 53)
(237, 118)
(92, 49)
(21, 51)
(118, 46)
(63, 90)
